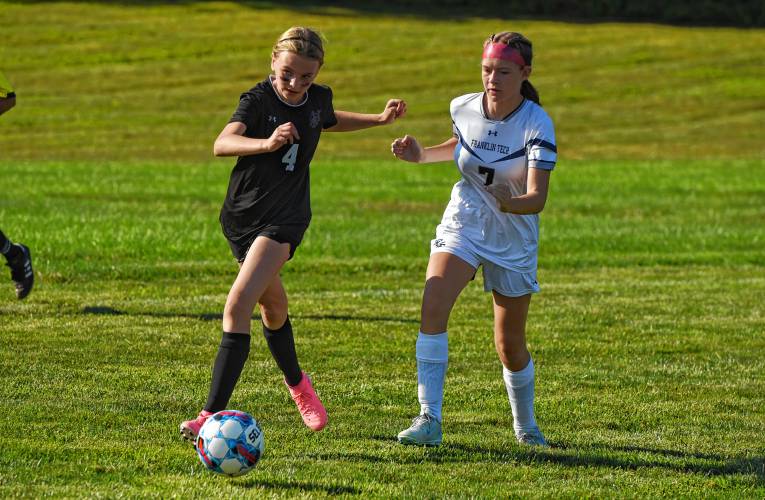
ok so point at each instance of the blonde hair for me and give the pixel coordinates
(301, 41)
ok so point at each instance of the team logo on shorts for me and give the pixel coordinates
(440, 242)
(315, 118)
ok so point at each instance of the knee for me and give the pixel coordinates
(513, 354)
(435, 308)
(273, 312)
(237, 307)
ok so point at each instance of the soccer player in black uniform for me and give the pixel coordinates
(274, 132)
(17, 255)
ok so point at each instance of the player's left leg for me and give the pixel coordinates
(277, 330)
(517, 366)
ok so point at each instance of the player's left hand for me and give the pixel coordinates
(501, 193)
(395, 108)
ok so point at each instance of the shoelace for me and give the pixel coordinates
(19, 272)
(529, 438)
(425, 419)
(303, 403)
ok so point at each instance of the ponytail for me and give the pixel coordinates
(529, 92)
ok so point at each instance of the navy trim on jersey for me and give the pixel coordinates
(517, 154)
(543, 143)
(512, 113)
(464, 144)
(543, 162)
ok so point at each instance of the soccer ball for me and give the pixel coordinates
(230, 442)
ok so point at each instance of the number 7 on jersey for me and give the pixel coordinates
(489, 174)
(290, 157)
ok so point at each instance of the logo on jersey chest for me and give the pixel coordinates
(489, 146)
(493, 133)
(272, 119)
(314, 118)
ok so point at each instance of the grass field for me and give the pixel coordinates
(648, 335)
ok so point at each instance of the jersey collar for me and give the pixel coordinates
(512, 113)
(305, 97)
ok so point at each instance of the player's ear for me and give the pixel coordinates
(273, 61)
(526, 72)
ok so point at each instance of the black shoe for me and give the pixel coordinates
(21, 272)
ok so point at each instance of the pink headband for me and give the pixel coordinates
(503, 51)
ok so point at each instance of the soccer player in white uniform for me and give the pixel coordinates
(504, 146)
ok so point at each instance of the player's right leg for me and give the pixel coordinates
(19, 259)
(447, 275)
(261, 265)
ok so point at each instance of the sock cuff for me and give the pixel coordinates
(433, 348)
(235, 340)
(521, 378)
(287, 326)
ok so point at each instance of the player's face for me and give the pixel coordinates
(294, 74)
(502, 79)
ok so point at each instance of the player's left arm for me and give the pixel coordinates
(537, 184)
(348, 121)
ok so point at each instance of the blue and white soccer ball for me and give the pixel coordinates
(230, 442)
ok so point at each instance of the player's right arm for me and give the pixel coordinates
(408, 149)
(232, 142)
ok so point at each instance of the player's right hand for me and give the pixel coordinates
(407, 148)
(284, 133)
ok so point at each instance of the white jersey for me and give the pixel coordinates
(497, 151)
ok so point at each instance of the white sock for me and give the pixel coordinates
(432, 359)
(520, 391)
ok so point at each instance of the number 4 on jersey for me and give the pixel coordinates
(290, 157)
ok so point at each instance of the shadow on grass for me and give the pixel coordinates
(329, 489)
(586, 456)
(110, 311)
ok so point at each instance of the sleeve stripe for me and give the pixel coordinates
(543, 143)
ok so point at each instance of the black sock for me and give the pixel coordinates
(232, 353)
(7, 247)
(3, 243)
(282, 346)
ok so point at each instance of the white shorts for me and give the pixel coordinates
(495, 278)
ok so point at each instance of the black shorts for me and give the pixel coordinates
(291, 233)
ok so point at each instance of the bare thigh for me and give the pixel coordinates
(446, 277)
(262, 264)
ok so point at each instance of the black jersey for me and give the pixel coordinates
(272, 189)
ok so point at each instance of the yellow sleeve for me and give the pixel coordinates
(5, 86)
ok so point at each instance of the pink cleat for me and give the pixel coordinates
(190, 428)
(313, 412)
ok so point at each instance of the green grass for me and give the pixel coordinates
(159, 81)
(647, 335)
(650, 361)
